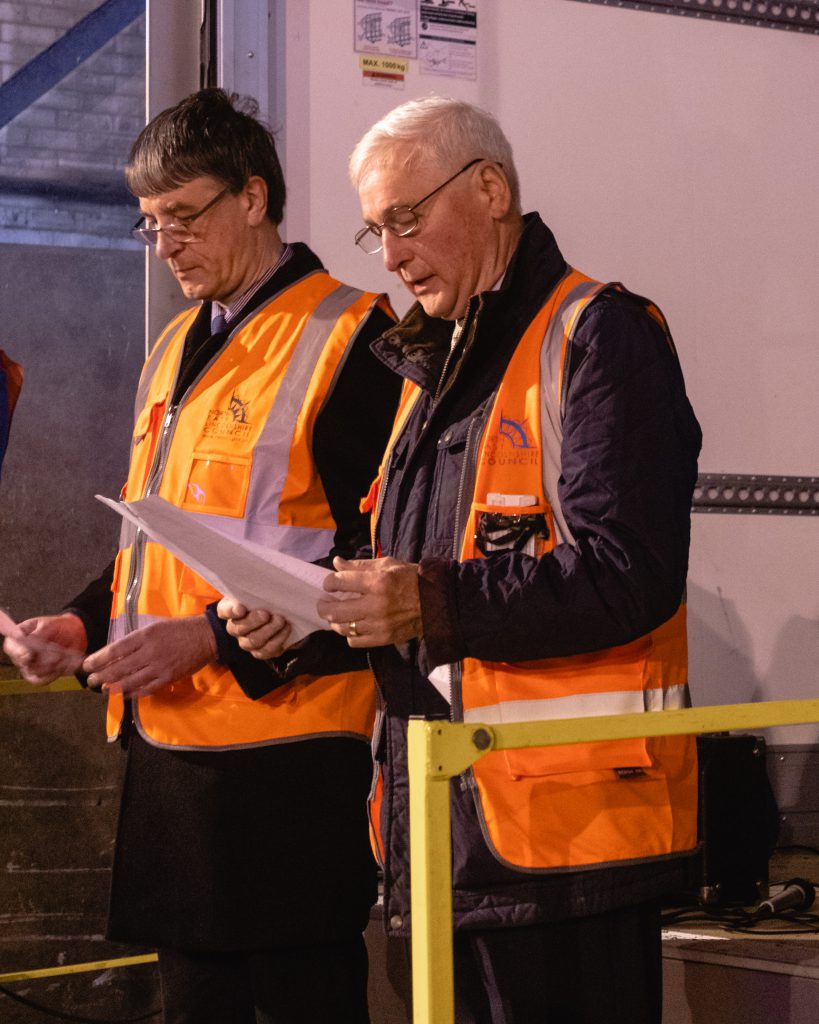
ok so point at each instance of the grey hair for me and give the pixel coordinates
(434, 130)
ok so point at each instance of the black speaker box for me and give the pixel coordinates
(737, 820)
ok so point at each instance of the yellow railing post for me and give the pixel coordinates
(438, 751)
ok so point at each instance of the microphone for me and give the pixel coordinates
(798, 894)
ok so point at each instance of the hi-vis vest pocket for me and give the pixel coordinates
(526, 528)
(217, 484)
(143, 449)
(621, 756)
(582, 686)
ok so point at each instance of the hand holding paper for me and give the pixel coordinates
(257, 577)
(258, 631)
(45, 647)
(379, 597)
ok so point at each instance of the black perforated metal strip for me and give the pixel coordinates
(757, 494)
(796, 16)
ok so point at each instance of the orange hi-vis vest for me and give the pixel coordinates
(578, 805)
(236, 451)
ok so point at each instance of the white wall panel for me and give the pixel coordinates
(678, 156)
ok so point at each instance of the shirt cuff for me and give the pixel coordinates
(255, 678)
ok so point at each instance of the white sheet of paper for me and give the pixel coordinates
(254, 575)
(441, 679)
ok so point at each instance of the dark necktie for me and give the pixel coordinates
(218, 324)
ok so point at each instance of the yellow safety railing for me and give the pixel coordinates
(92, 965)
(438, 751)
(10, 687)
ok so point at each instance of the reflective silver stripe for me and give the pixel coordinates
(582, 705)
(215, 748)
(118, 624)
(127, 534)
(118, 627)
(308, 543)
(271, 455)
(151, 363)
(670, 698)
(551, 424)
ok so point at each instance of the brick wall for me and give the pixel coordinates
(72, 143)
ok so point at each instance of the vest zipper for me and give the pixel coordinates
(138, 547)
(134, 584)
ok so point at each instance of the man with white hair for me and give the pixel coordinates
(531, 525)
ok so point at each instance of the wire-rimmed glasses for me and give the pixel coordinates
(400, 220)
(179, 231)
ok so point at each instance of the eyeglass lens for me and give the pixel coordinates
(173, 232)
(401, 221)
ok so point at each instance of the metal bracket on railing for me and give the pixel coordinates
(450, 747)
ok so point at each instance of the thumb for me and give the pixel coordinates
(351, 564)
(230, 608)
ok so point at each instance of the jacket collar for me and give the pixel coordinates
(302, 262)
(417, 346)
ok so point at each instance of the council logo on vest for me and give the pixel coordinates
(232, 422)
(239, 409)
(515, 432)
(511, 445)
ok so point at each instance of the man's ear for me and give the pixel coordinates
(495, 189)
(256, 193)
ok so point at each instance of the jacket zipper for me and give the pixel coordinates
(379, 501)
(470, 450)
(456, 337)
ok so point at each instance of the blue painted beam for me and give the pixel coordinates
(51, 66)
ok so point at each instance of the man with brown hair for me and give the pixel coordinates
(242, 850)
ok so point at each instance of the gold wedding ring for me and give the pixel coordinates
(352, 631)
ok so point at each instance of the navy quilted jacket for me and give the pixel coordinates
(629, 464)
